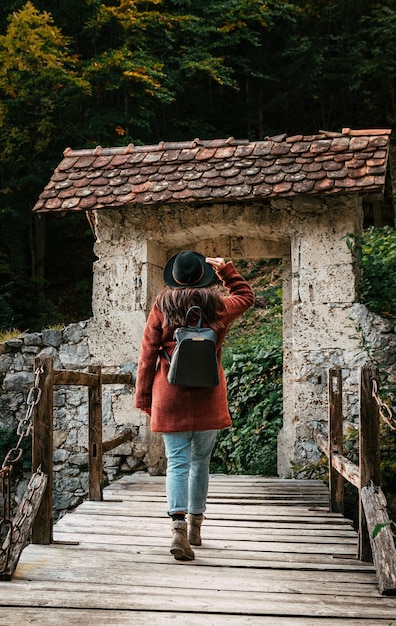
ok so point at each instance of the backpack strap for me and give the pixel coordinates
(166, 355)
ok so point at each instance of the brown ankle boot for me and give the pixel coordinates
(180, 546)
(194, 528)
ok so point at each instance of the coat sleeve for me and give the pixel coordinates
(149, 353)
(240, 297)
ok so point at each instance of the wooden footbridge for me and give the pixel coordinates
(272, 554)
(275, 552)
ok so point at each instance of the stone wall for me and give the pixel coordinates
(70, 350)
(377, 341)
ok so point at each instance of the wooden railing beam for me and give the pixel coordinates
(110, 444)
(70, 377)
(344, 466)
(369, 452)
(383, 544)
(336, 480)
(42, 449)
(95, 428)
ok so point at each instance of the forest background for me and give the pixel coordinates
(83, 73)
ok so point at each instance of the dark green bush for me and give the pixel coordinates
(252, 363)
(376, 254)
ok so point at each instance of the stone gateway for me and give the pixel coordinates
(291, 198)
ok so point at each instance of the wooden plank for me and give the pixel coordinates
(234, 559)
(23, 521)
(230, 544)
(125, 435)
(95, 429)
(271, 515)
(150, 525)
(54, 617)
(42, 449)
(154, 578)
(336, 480)
(137, 597)
(383, 545)
(369, 451)
(71, 377)
(344, 466)
(241, 512)
(117, 379)
(115, 562)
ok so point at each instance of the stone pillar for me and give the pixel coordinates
(287, 434)
(319, 332)
(127, 276)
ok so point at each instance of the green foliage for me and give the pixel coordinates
(376, 253)
(255, 400)
(315, 470)
(379, 527)
(114, 72)
(38, 76)
(252, 363)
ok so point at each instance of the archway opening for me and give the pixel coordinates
(253, 363)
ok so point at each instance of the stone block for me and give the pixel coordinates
(73, 333)
(323, 327)
(6, 361)
(52, 337)
(18, 381)
(334, 283)
(60, 455)
(32, 339)
(14, 344)
(74, 357)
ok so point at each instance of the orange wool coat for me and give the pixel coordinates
(174, 408)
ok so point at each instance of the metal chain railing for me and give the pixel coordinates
(24, 428)
(384, 409)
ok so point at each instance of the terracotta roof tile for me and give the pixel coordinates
(192, 171)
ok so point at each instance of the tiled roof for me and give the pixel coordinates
(221, 169)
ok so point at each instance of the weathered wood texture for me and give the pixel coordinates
(272, 554)
(110, 444)
(383, 545)
(42, 449)
(369, 451)
(336, 480)
(22, 523)
(95, 430)
(344, 466)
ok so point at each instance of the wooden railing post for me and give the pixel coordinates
(336, 480)
(95, 445)
(369, 451)
(42, 449)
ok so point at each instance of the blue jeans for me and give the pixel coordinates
(187, 476)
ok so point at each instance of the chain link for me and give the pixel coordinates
(384, 409)
(13, 456)
(14, 532)
(25, 424)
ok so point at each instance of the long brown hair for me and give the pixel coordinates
(174, 304)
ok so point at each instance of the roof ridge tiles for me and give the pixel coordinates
(366, 132)
(219, 143)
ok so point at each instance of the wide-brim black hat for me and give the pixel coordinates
(188, 269)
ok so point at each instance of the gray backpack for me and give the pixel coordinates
(194, 360)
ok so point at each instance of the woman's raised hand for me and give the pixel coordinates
(216, 262)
